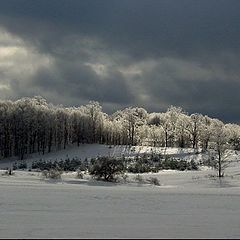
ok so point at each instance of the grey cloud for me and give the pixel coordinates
(78, 81)
(205, 89)
(198, 40)
(145, 28)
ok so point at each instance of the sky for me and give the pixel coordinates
(121, 53)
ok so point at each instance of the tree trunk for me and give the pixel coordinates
(220, 174)
(166, 139)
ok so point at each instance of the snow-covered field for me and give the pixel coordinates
(188, 204)
(93, 150)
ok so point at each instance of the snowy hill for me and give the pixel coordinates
(93, 150)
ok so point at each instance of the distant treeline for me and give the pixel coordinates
(32, 125)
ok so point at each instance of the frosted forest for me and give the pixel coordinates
(31, 125)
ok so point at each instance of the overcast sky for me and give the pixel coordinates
(146, 53)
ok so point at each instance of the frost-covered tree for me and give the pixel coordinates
(78, 123)
(194, 127)
(206, 130)
(131, 119)
(168, 122)
(154, 119)
(156, 135)
(94, 111)
(234, 135)
(181, 133)
(6, 122)
(220, 138)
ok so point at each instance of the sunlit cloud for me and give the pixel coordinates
(123, 53)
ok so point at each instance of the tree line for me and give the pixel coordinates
(31, 125)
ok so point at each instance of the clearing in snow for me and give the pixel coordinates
(187, 204)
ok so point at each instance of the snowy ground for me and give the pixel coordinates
(188, 204)
(93, 150)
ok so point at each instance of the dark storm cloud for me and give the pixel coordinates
(79, 81)
(153, 53)
(151, 25)
(214, 98)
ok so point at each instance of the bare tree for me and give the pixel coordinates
(220, 137)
